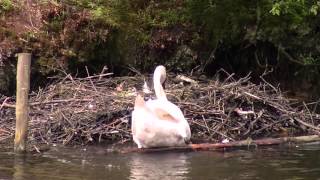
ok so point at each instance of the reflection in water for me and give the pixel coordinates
(159, 166)
(301, 162)
(264, 163)
(19, 167)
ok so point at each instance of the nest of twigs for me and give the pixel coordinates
(98, 108)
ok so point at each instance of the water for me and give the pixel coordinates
(301, 162)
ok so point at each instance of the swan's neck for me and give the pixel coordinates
(159, 90)
(160, 94)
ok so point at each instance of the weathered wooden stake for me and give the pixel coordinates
(22, 104)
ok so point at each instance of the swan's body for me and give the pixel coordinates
(158, 123)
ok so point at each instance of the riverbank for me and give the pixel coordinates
(97, 109)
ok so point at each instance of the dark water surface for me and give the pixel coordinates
(300, 162)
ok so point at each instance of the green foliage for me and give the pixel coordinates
(131, 23)
(288, 23)
(222, 20)
(315, 8)
(6, 5)
(297, 8)
(118, 33)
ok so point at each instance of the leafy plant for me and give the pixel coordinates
(6, 5)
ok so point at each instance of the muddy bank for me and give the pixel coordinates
(98, 109)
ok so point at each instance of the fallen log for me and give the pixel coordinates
(236, 144)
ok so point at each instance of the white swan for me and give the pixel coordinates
(158, 123)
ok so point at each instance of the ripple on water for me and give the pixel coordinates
(75, 163)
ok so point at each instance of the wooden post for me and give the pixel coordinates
(22, 104)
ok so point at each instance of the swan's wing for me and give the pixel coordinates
(165, 110)
(162, 114)
(133, 122)
(168, 111)
(140, 120)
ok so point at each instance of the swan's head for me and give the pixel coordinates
(160, 73)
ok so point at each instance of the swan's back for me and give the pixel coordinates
(153, 126)
(172, 113)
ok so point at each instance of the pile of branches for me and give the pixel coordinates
(98, 108)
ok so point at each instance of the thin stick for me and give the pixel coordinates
(88, 74)
(308, 112)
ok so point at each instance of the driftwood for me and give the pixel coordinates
(224, 146)
(98, 108)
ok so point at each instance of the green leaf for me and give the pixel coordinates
(276, 9)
